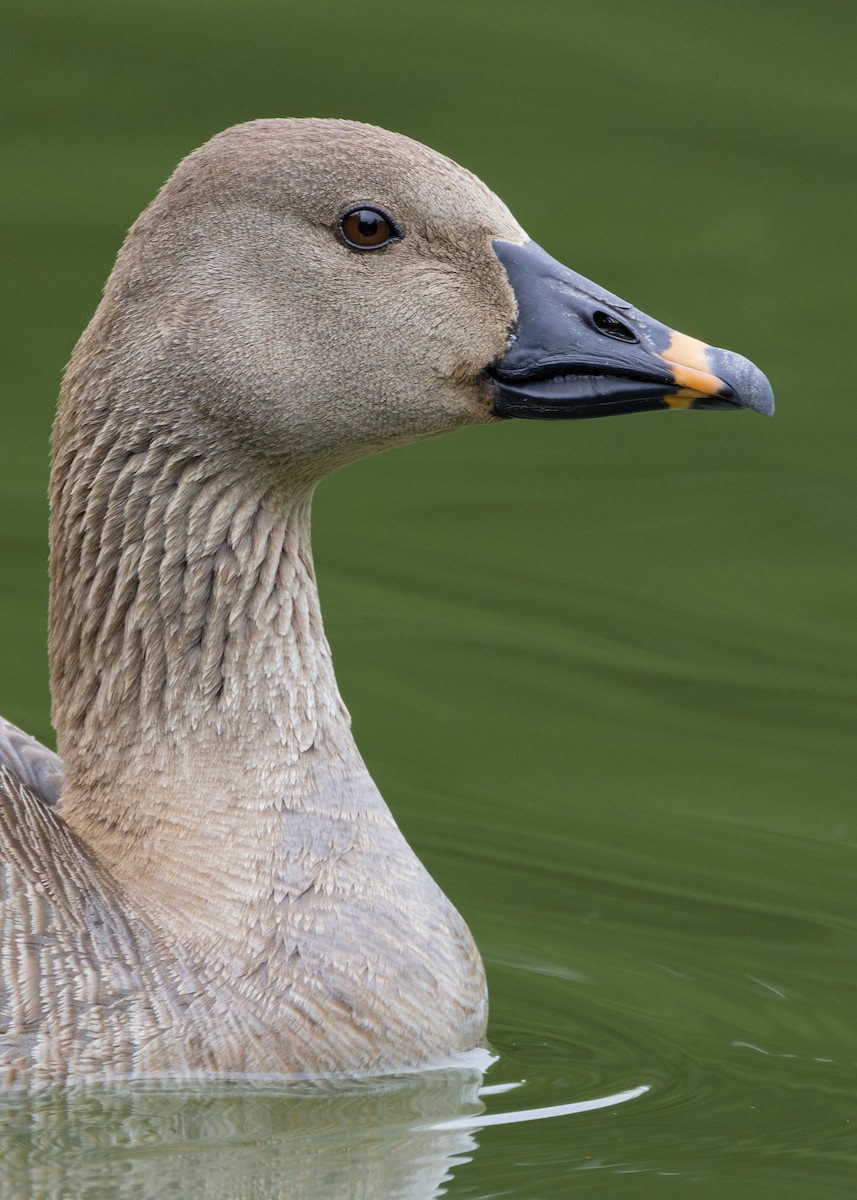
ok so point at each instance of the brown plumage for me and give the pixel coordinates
(220, 888)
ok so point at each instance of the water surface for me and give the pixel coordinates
(602, 671)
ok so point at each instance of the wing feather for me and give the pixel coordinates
(31, 763)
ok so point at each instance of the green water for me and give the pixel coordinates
(602, 671)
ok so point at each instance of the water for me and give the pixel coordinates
(603, 672)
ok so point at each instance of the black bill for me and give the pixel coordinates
(578, 351)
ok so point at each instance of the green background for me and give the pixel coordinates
(602, 671)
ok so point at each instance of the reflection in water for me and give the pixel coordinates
(377, 1139)
(395, 1138)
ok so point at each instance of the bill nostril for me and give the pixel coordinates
(612, 327)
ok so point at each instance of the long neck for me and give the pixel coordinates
(194, 698)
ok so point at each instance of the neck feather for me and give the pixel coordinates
(183, 596)
(194, 697)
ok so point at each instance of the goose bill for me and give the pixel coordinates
(579, 351)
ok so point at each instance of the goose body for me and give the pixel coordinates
(206, 880)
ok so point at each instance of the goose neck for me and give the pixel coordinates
(193, 683)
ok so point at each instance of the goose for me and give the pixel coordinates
(205, 881)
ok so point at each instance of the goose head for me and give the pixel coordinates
(310, 291)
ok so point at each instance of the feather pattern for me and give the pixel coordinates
(222, 889)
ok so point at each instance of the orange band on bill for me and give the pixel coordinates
(688, 359)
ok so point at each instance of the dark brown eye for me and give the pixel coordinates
(368, 228)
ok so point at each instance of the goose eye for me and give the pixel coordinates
(368, 228)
